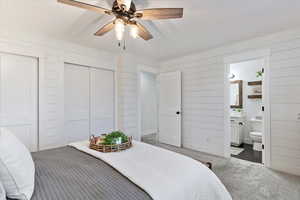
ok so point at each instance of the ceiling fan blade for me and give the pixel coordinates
(86, 6)
(106, 28)
(160, 13)
(143, 32)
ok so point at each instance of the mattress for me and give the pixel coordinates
(68, 174)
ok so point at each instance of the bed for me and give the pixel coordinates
(79, 173)
(66, 173)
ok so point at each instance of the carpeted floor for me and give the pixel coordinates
(245, 180)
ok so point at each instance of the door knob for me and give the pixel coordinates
(177, 113)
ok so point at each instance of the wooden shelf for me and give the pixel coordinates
(256, 96)
(252, 83)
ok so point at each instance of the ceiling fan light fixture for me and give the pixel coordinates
(126, 14)
(119, 29)
(134, 31)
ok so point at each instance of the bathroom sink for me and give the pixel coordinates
(236, 115)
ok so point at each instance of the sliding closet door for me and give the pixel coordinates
(18, 97)
(77, 93)
(102, 101)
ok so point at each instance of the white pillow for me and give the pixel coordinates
(16, 167)
(2, 192)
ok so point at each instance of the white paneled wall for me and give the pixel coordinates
(285, 106)
(203, 97)
(203, 91)
(127, 73)
(52, 54)
(127, 97)
(202, 105)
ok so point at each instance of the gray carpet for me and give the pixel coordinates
(245, 180)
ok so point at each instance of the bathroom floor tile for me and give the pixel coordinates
(249, 154)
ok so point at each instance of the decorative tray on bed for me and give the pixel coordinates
(113, 142)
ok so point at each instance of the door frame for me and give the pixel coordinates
(242, 57)
(140, 70)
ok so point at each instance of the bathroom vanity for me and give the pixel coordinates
(237, 126)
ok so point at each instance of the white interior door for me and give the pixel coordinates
(170, 108)
(18, 97)
(77, 105)
(102, 101)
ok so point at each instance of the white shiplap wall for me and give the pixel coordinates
(128, 92)
(52, 54)
(203, 91)
(285, 106)
(203, 97)
(202, 105)
(127, 98)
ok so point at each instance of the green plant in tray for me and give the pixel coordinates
(113, 137)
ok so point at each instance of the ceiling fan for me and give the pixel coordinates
(126, 14)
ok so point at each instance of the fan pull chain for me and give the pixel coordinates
(124, 45)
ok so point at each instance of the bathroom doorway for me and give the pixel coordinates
(247, 101)
(147, 104)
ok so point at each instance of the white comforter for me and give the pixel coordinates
(163, 174)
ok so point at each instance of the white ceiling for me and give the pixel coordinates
(206, 23)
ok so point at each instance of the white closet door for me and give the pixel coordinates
(18, 97)
(102, 101)
(77, 96)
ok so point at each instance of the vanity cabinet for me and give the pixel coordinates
(237, 125)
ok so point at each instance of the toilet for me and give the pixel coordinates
(256, 133)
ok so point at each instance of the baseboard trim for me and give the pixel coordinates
(149, 132)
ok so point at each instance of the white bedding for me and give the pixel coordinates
(163, 174)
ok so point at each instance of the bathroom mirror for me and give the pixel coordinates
(236, 94)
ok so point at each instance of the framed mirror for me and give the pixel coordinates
(236, 94)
